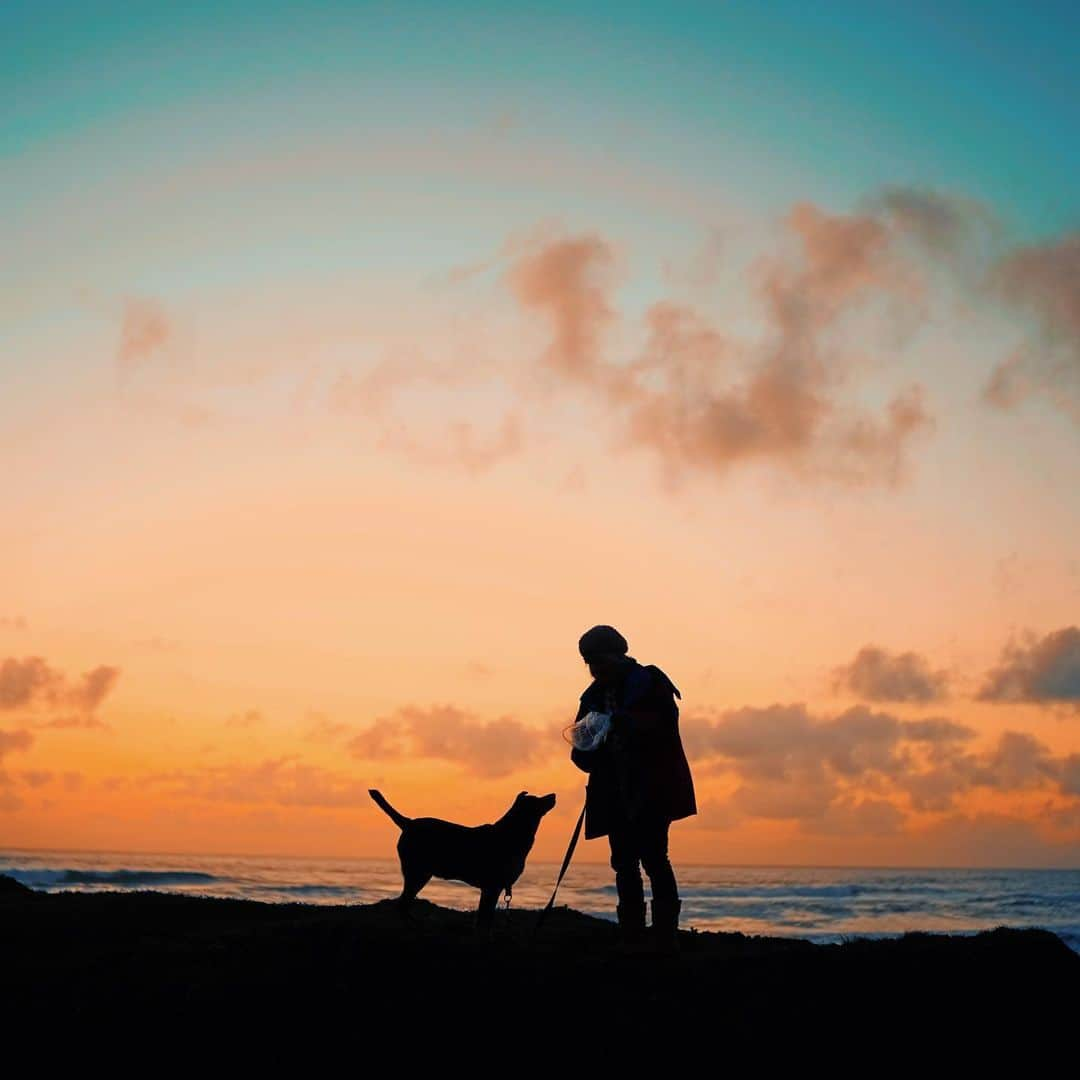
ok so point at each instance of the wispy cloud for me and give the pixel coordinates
(697, 398)
(689, 392)
(567, 281)
(285, 781)
(320, 728)
(247, 719)
(1042, 280)
(31, 684)
(945, 223)
(11, 742)
(144, 331)
(446, 733)
(461, 444)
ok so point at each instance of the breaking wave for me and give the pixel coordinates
(41, 878)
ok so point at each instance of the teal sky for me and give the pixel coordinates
(981, 98)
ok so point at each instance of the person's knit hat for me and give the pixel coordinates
(601, 639)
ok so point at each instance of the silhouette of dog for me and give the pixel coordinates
(490, 857)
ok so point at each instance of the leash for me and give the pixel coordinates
(562, 872)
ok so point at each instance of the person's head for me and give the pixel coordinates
(604, 650)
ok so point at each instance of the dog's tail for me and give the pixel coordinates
(400, 820)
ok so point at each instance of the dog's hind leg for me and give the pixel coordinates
(414, 881)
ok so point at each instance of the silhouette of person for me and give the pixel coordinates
(639, 780)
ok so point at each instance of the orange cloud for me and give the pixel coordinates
(446, 733)
(31, 684)
(877, 675)
(567, 281)
(830, 773)
(844, 258)
(1044, 670)
(783, 406)
(1046, 279)
(1043, 280)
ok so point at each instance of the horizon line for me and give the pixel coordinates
(541, 862)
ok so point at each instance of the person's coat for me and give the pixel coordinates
(641, 768)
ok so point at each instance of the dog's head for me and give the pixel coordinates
(533, 807)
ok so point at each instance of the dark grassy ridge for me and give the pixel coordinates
(152, 958)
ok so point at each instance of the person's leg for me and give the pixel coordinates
(655, 861)
(666, 904)
(625, 858)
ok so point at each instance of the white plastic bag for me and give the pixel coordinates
(590, 731)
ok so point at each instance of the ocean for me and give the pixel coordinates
(822, 904)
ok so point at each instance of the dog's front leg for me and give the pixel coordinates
(485, 913)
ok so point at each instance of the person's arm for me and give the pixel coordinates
(583, 759)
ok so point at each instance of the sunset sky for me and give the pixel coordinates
(357, 358)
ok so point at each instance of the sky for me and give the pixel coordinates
(357, 358)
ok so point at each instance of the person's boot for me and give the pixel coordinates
(630, 908)
(665, 925)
